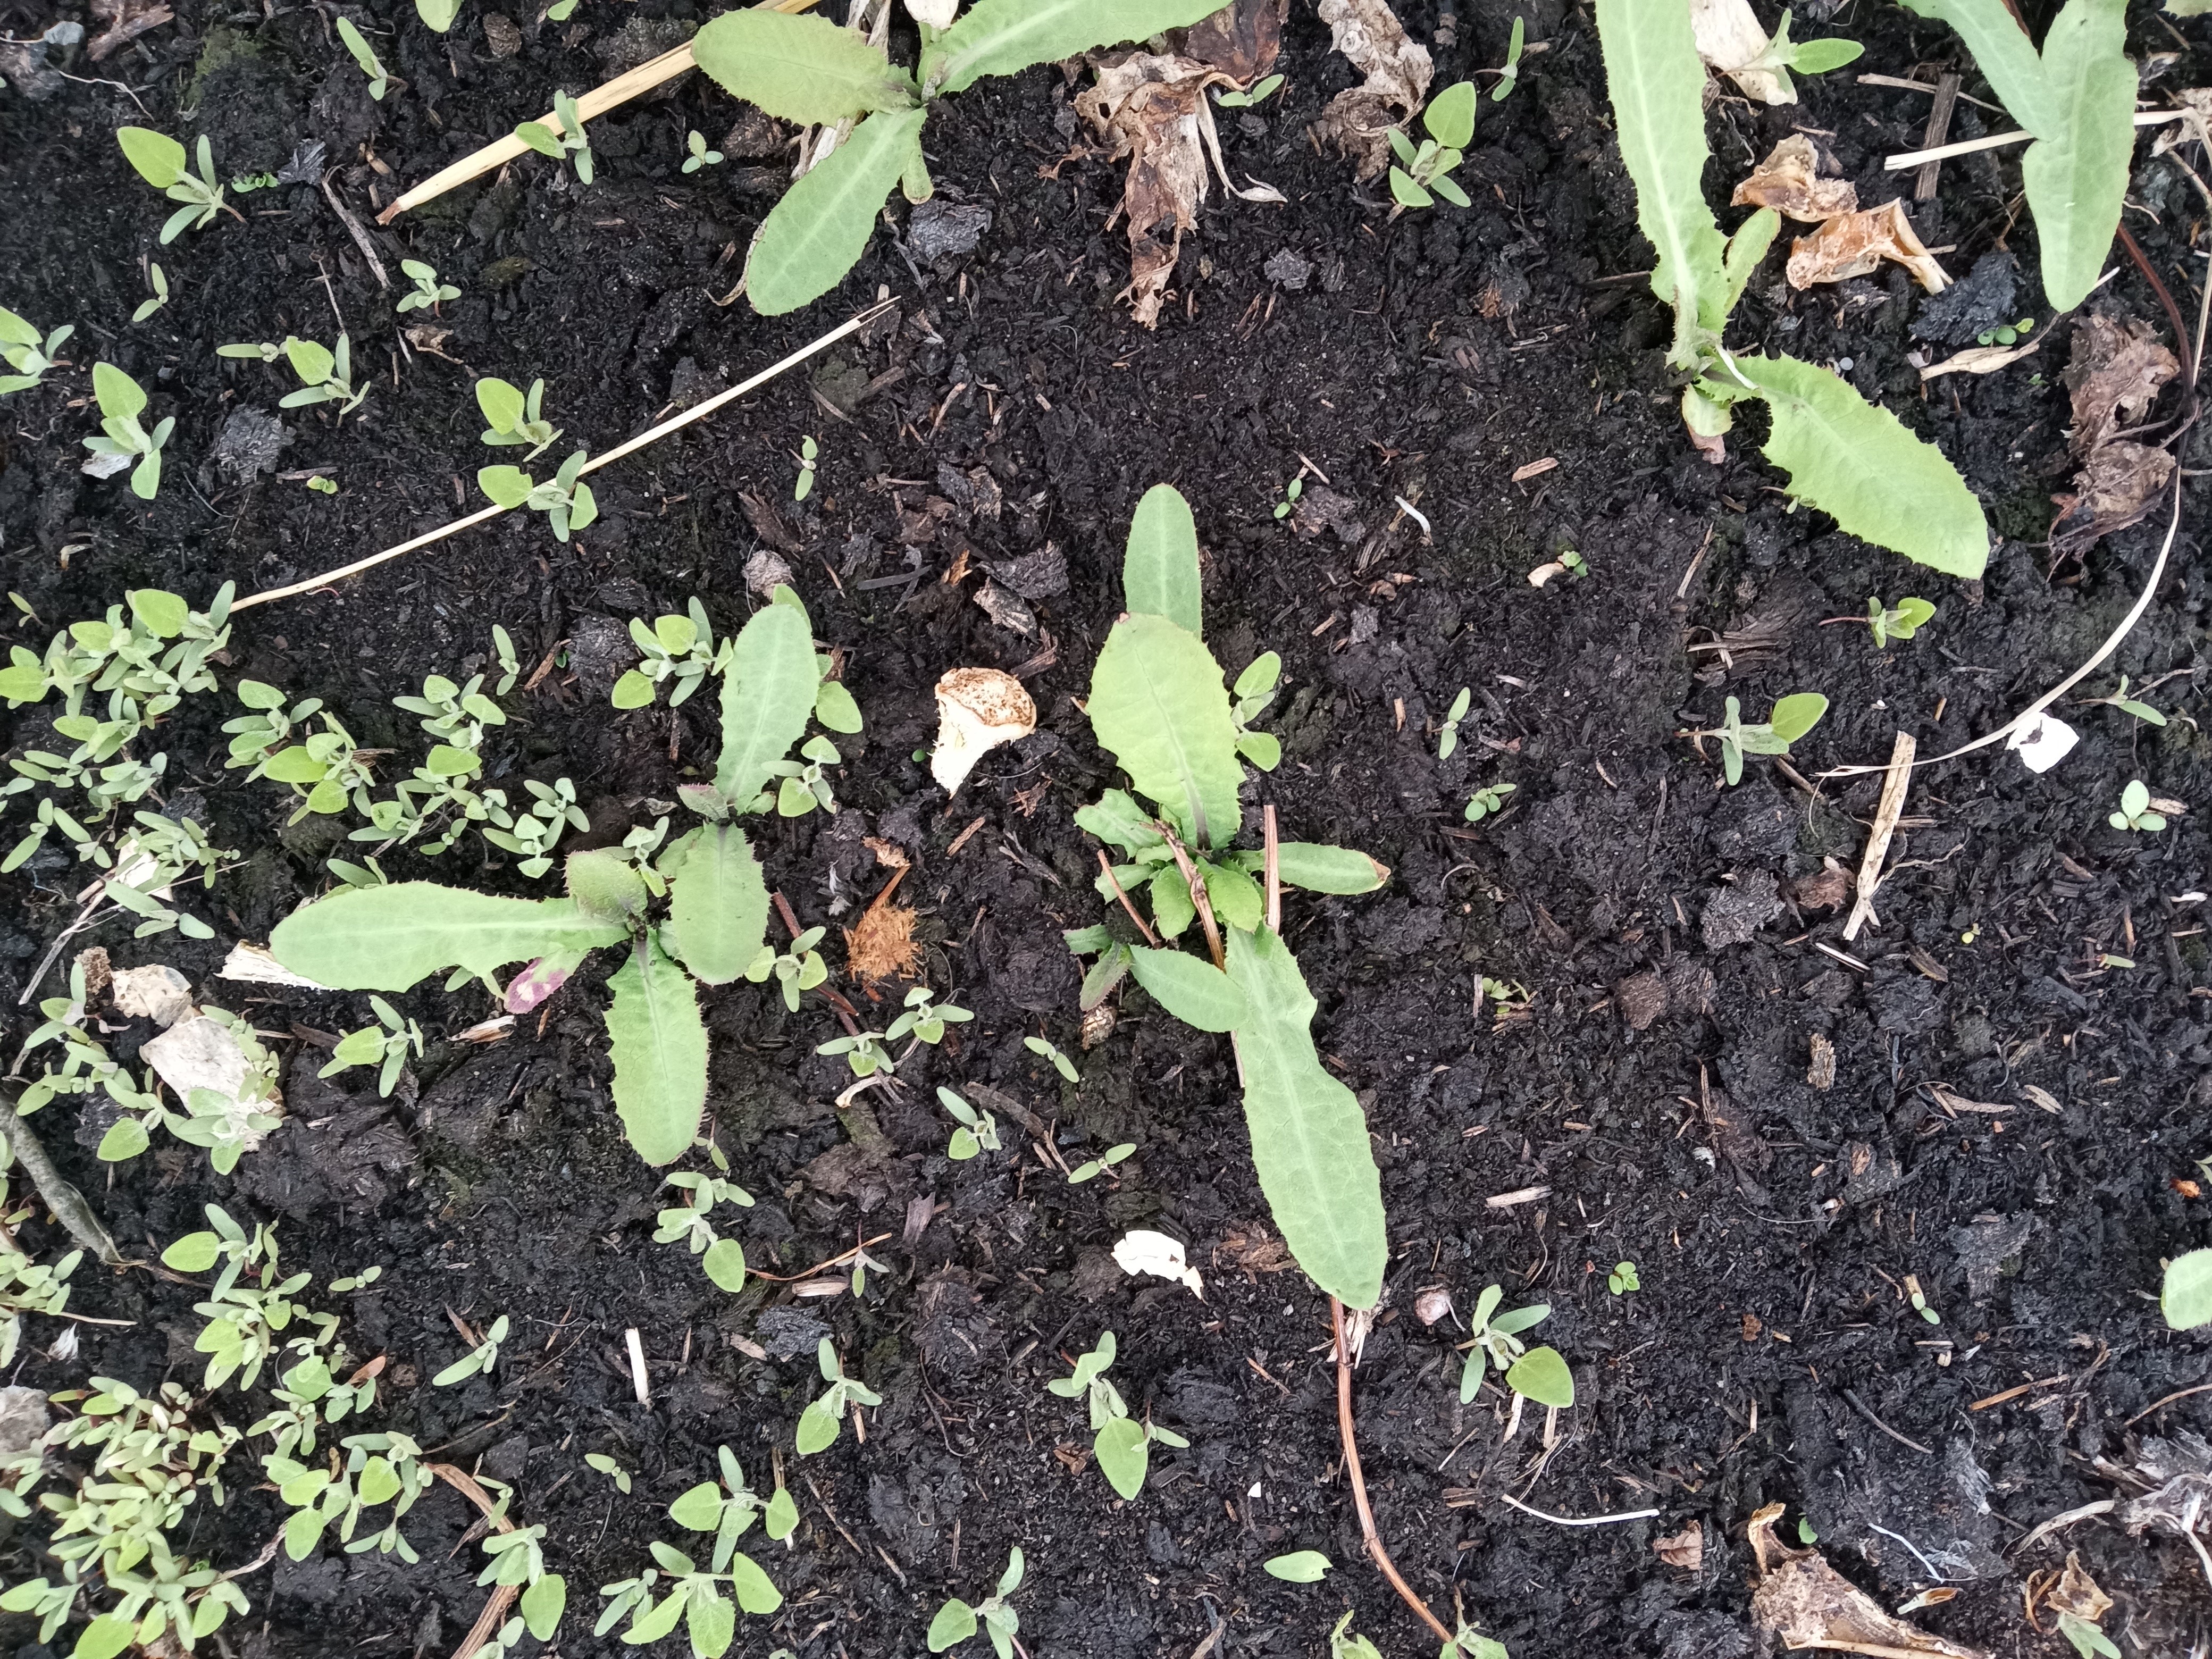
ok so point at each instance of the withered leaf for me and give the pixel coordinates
(2077, 1593)
(1729, 36)
(1241, 41)
(768, 524)
(1685, 1549)
(1788, 181)
(1853, 244)
(1154, 110)
(1358, 120)
(1808, 1604)
(2114, 376)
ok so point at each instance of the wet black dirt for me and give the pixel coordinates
(1667, 957)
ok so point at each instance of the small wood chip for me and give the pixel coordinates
(1523, 1195)
(638, 1381)
(1522, 474)
(1821, 1073)
(1892, 807)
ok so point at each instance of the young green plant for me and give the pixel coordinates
(160, 160)
(1537, 1374)
(26, 353)
(325, 376)
(1850, 458)
(567, 502)
(513, 417)
(158, 280)
(122, 400)
(380, 78)
(1424, 171)
(1122, 1444)
(978, 1130)
(2128, 705)
(428, 292)
(809, 71)
(1159, 705)
(956, 1621)
(1487, 802)
(697, 1600)
(700, 156)
(1447, 734)
(1509, 76)
(817, 1424)
(1899, 621)
(568, 143)
(2135, 814)
(1790, 719)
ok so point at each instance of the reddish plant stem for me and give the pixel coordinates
(1381, 1557)
(2181, 338)
(1200, 902)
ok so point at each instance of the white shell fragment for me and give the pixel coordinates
(2043, 742)
(1144, 1252)
(978, 709)
(200, 1052)
(157, 992)
(937, 14)
(253, 963)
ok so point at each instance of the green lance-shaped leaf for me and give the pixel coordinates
(159, 159)
(1004, 37)
(1857, 464)
(1124, 1449)
(803, 70)
(1159, 572)
(1320, 869)
(659, 1044)
(819, 229)
(1196, 992)
(2185, 1298)
(1309, 1135)
(1745, 249)
(2076, 174)
(954, 1624)
(717, 904)
(387, 938)
(1657, 85)
(767, 696)
(1157, 704)
(2003, 53)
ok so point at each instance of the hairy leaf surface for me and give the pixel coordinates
(1157, 704)
(659, 1044)
(2077, 175)
(1004, 37)
(386, 938)
(820, 227)
(1196, 992)
(767, 696)
(717, 905)
(1309, 1135)
(1857, 464)
(1320, 869)
(1658, 84)
(806, 70)
(1159, 572)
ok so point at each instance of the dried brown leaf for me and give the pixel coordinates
(2076, 1592)
(1149, 108)
(1808, 1604)
(1685, 1549)
(1241, 41)
(1398, 70)
(1853, 244)
(1820, 1072)
(1788, 181)
(2113, 377)
(769, 525)
(1729, 36)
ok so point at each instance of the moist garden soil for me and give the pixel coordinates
(1666, 949)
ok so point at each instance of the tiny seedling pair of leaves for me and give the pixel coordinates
(1159, 705)
(1790, 719)
(2078, 97)
(956, 1621)
(1851, 459)
(809, 71)
(817, 1424)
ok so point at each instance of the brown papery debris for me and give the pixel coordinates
(883, 946)
(1358, 120)
(1788, 181)
(1808, 1604)
(2115, 375)
(1853, 244)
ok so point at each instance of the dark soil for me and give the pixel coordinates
(1770, 1355)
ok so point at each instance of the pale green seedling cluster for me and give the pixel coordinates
(1537, 1374)
(1790, 719)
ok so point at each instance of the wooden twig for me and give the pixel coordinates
(1886, 814)
(596, 102)
(1938, 130)
(494, 1611)
(654, 435)
(1115, 882)
(1381, 1556)
(1274, 871)
(1198, 900)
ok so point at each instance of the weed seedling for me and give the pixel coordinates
(803, 486)
(674, 648)
(326, 377)
(2185, 1296)
(1298, 1567)
(1102, 1165)
(691, 1598)
(2089, 1640)
(26, 353)
(1790, 719)
(383, 1044)
(613, 1471)
(956, 1621)
(723, 1260)
(1292, 491)
(978, 1130)
(700, 156)
(1538, 1374)
(122, 401)
(1509, 76)
(160, 160)
(1448, 735)
(380, 78)
(1806, 56)
(1622, 1280)
(2135, 813)
(568, 142)
(2127, 705)
(567, 503)
(1043, 1048)
(322, 486)
(478, 1361)
(864, 1052)
(1345, 1643)
(158, 280)
(925, 1019)
(1259, 92)
(1123, 1445)
(1574, 564)
(511, 417)
(1424, 172)
(799, 968)
(2005, 334)
(727, 1507)
(817, 1424)
(1488, 801)
(429, 291)
(1900, 622)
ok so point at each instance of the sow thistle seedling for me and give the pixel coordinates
(325, 376)
(567, 503)
(379, 83)
(1424, 172)
(727, 1508)
(1845, 456)
(568, 142)
(817, 1424)
(1122, 1444)
(655, 1605)
(26, 353)
(956, 1621)
(160, 160)
(1538, 1374)
(389, 938)
(978, 1130)
(700, 155)
(1159, 705)
(511, 417)
(723, 1260)
(122, 400)
(478, 1361)
(1790, 719)
(809, 71)
(428, 292)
